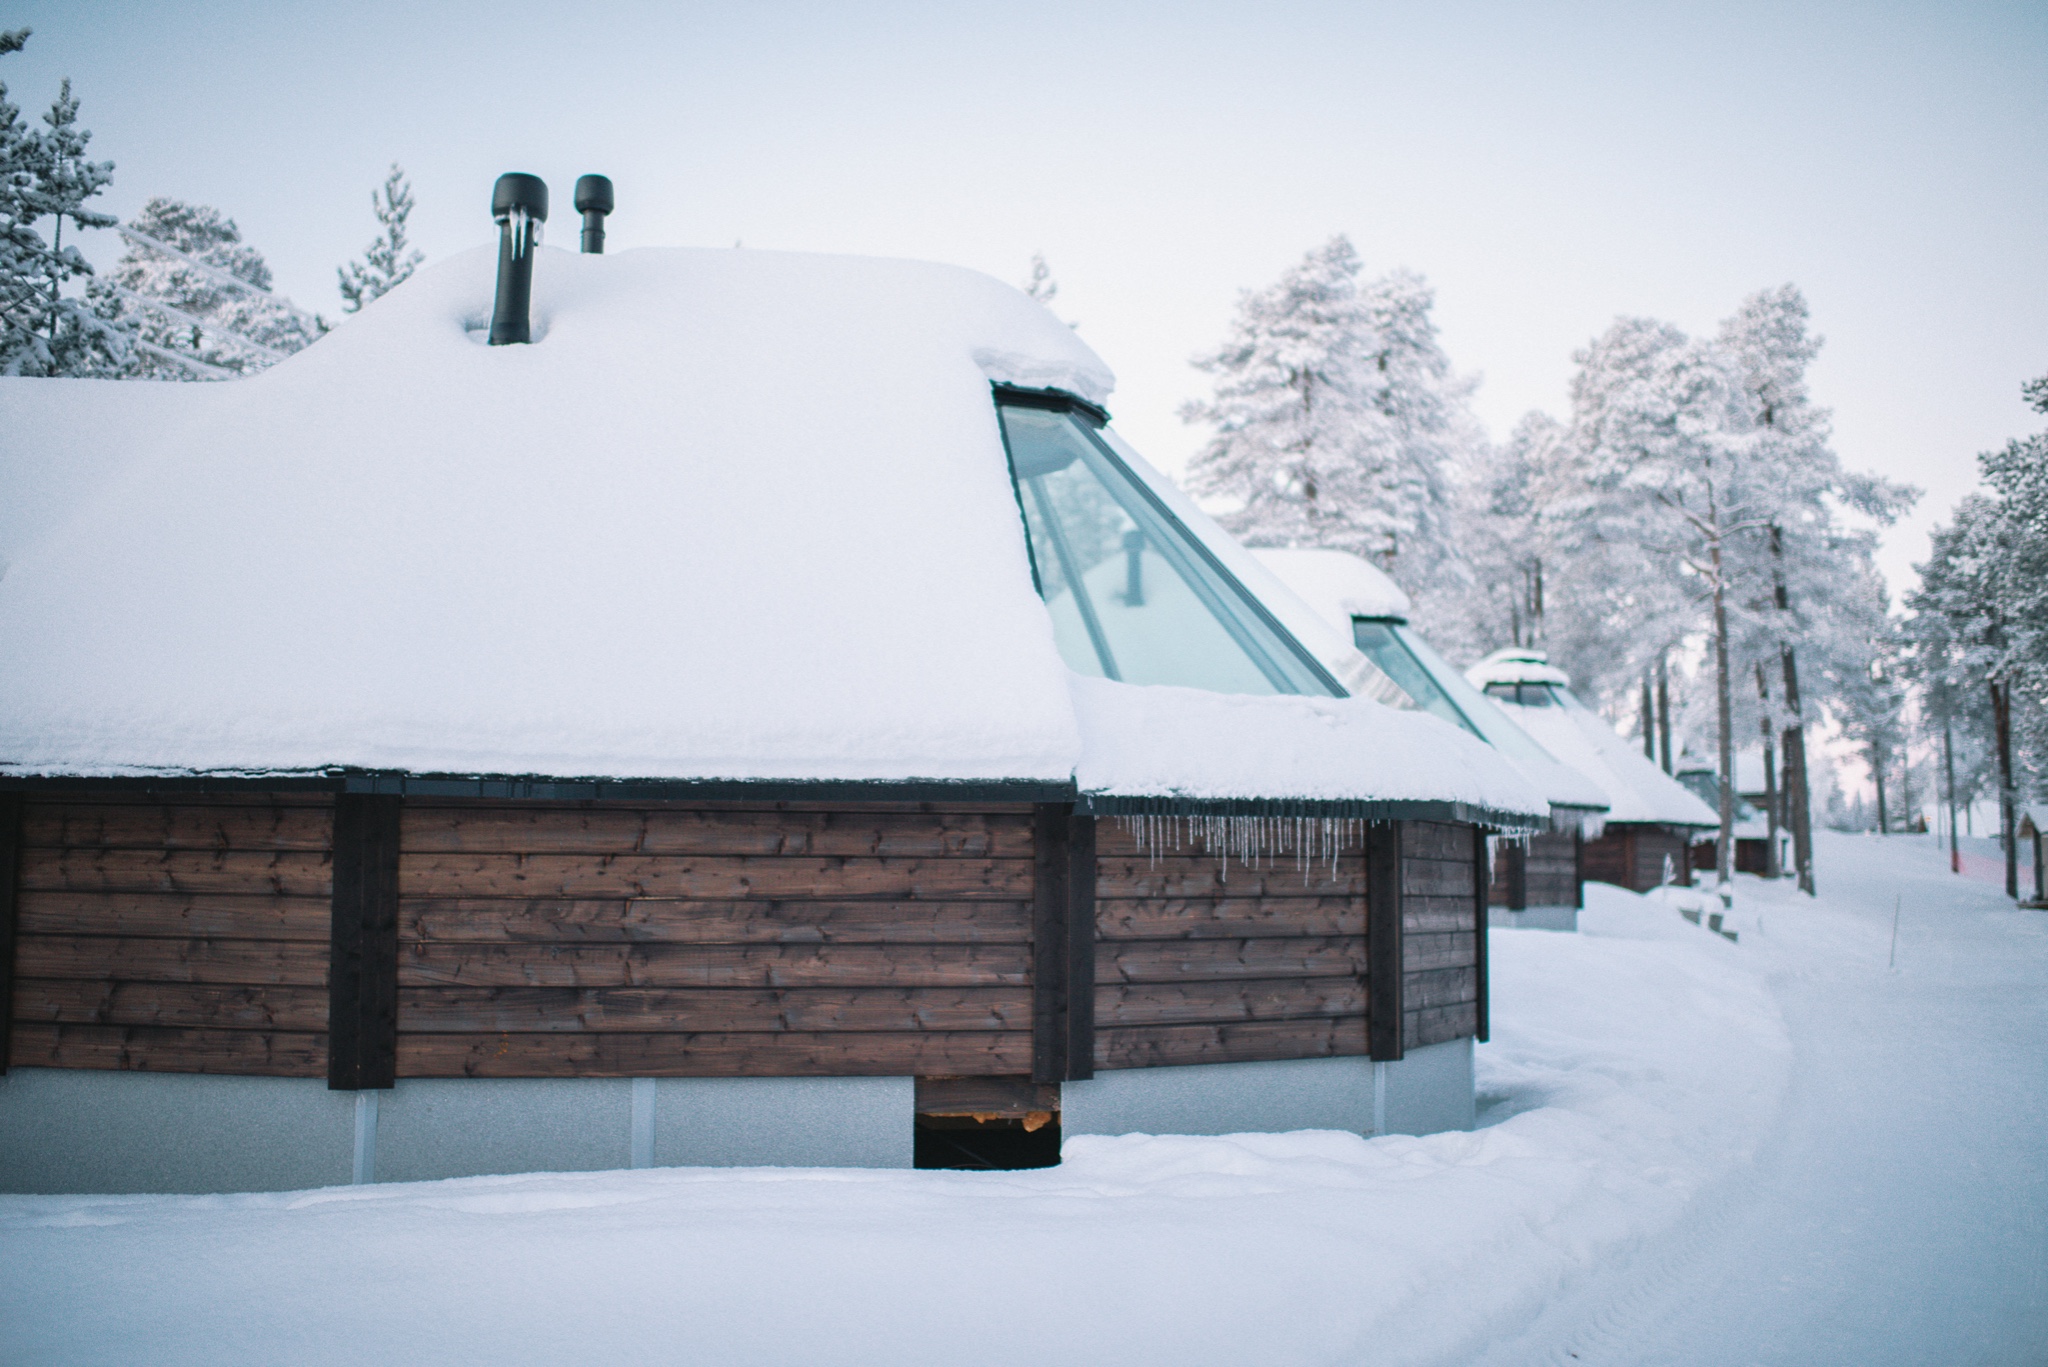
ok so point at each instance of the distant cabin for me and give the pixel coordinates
(1753, 828)
(1652, 819)
(772, 718)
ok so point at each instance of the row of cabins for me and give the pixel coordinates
(771, 718)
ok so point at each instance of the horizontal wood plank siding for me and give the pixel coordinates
(186, 936)
(682, 1053)
(1550, 870)
(1204, 960)
(611, 940)
(1440, 952)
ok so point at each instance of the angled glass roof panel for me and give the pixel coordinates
(1133, 595)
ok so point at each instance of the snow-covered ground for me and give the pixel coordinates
(1692, 1151)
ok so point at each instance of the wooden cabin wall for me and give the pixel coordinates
(1441, 955)
(173, 938)
(1632, 856)
(595, 940)
(1549, 872)
(662, 941)
(1206, 960)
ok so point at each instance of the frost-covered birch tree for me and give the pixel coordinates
(193, 323)
(390, 260)
(1335, 414)
(45, 175)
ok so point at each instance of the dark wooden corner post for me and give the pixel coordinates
(1383, 940)
(1479, 925)
(1062, 945)
(362, 972)
(1579, 867)
(10, 885)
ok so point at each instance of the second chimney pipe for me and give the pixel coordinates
(520, 205)
(593, 201)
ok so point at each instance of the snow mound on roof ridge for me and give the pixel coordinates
(1337, 584)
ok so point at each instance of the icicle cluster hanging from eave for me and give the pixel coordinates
(1251, 840)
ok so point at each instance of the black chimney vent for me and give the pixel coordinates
(593, 201)
(520, 205)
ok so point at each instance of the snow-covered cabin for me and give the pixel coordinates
(771, 718)
(1536, 879)
(1652, 819)
(1753, 831)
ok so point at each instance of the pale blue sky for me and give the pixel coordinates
(1546, 167)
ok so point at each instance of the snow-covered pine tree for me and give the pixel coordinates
(391, 259)
(1808, 596)
(194, 324)
(44, 174)
(1981, 595)
(1334, 411)
(1656, 415)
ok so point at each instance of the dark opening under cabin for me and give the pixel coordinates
(769, 717)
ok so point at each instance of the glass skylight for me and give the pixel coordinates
(1133, 595)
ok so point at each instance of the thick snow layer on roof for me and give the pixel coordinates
(1636, 789)
(735, 514)
(1186, 743)
(1516, 664)
(1337, 584)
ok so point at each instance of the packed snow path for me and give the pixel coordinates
(1899, 1212)
(1779, 1151)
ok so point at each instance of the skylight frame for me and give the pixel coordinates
(1092, 419)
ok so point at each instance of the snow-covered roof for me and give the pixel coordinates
(1516, 664)
(1337, 584)
(1636, 789)
(2033, 814)
(734, 515)
(1341, 586)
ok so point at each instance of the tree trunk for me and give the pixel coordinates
(1649, 722)
(1664, 712)
(1798, 794)
(1877, 772)
(1772, 868)
(2008, 836)
(1724, 709)
(1948, 765)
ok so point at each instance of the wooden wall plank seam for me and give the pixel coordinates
(10, 883)
(1479, 922)
(362, 1012)
(1383, 940)
(1052, 869)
